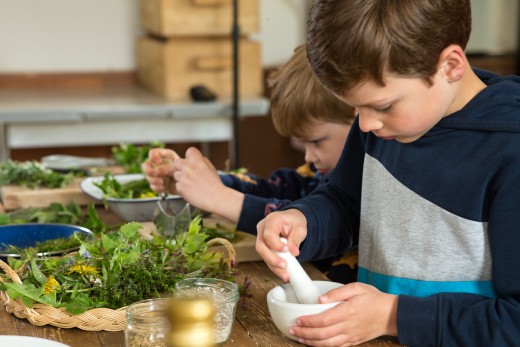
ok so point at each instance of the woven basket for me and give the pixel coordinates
(96, 319)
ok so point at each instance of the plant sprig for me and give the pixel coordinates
(130, 156)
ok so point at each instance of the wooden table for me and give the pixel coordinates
(253, 325)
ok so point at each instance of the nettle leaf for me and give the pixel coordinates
(195, 225)
(130, 230)
(195, 243)
(108, 243)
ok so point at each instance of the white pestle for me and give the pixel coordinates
(305, 289)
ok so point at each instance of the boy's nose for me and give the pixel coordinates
(369, 122)
(309, 156)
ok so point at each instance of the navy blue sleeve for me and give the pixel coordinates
(282, 184)
(264, 196)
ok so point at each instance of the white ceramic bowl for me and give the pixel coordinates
(131, 210)
(284, 307)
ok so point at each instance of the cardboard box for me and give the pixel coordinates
(171, 67)
(167, 18)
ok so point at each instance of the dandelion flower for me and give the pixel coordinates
(51, 285)
(83, 270)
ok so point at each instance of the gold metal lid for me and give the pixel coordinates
(192, 322)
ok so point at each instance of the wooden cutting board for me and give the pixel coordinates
(15, 197)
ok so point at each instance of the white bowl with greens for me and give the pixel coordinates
(128, 195)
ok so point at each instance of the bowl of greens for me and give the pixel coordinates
(44, 239)
(128, 195)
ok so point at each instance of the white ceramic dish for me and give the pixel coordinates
(131, 210)
(284, 307)
(28, 341)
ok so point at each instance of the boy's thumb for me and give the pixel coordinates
(193, 153)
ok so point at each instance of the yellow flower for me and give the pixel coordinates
(147, 195)
(83, 270)
(51, 285)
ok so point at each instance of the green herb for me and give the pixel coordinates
(131, 157)
(31, 174)
(136, 189)
(116, 269)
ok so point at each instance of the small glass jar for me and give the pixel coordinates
(147, 323)
(224, 295)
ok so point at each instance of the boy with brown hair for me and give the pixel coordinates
(426, 185)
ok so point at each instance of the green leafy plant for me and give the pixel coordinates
(136, 189)
(130, 156)
(32, 174)
(116, 269)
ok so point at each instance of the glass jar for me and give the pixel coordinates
(224, 295)
(147, 323)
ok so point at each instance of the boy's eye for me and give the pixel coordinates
(384, 110)
(317, 142)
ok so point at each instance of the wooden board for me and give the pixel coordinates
(15, 197)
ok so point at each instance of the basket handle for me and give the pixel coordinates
(9, 272)
(223, 242)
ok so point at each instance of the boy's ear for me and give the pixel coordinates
(453, 63)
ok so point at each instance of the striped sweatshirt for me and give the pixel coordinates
(437, 221)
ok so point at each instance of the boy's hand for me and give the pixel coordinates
(290, 224)
(198, 182)
(159, 165)
(365, 314)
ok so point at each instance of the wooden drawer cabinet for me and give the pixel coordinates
(171, 67)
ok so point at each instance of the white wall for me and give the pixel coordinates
(67, 35)
(495, 26)
(99, 35)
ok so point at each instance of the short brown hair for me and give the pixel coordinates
(350, 41)
(298, 99)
